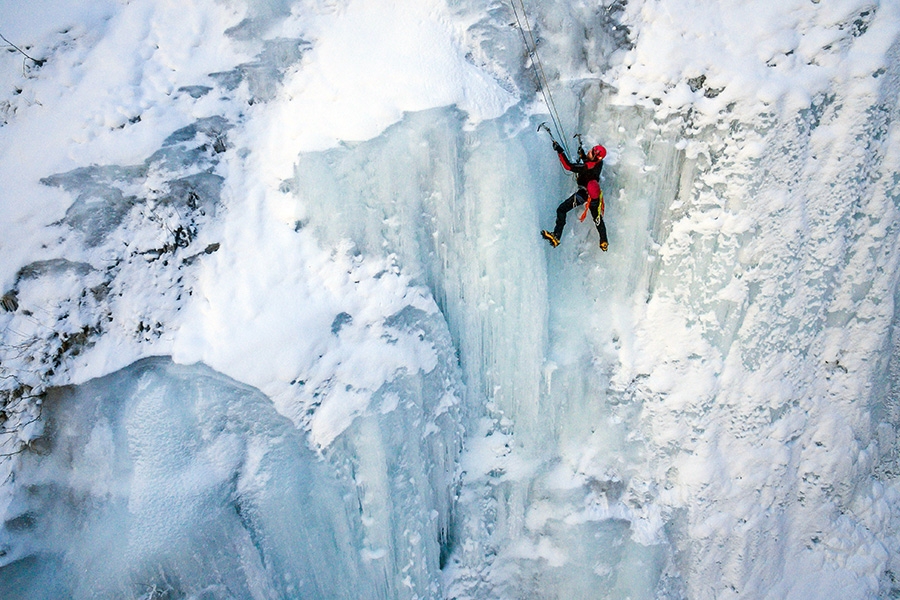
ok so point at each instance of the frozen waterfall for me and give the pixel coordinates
(278, 323)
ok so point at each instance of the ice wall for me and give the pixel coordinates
(452, 207)
(172, 480)
(164, 480)
(713, 400)
(550, 482)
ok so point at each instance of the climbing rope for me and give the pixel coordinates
(538, 69)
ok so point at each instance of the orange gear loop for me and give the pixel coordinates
(587, 205)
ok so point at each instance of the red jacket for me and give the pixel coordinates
(587, 173)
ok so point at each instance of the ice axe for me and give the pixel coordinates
(580, 144)
(547, 129)
(550, 133)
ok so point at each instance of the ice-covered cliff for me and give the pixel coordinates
(277, 321)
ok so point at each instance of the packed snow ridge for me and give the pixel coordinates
(276, 320)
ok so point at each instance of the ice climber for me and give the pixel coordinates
(587, 176)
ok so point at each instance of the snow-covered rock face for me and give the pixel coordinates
(378, 381)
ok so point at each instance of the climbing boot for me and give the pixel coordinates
(604, 246)
(554, 241)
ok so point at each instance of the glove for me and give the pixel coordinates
(556, 147)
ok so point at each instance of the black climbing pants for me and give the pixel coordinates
(578, 199)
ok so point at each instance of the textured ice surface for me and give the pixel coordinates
(177, 479)
(350, 223)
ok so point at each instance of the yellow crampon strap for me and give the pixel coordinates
(587, 207)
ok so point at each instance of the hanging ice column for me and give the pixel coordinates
(456, 211)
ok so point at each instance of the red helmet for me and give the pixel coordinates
(599, 151)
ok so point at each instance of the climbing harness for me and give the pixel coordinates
(587, 205)
(538, 69)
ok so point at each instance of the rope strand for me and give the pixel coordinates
(538, 68)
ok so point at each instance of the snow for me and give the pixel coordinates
(365, 69)
(288, 250)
